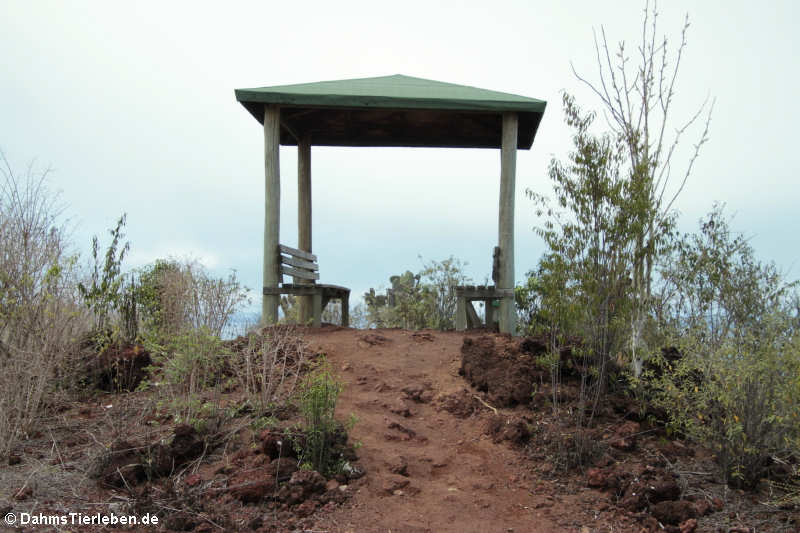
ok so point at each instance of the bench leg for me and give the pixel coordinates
(346, 311)
(489, 312)
(473, 320)
(461, 313)
(317, 309)
(304, 310)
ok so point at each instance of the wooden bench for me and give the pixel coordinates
(303, 267)
(490, 295)
(466, 316)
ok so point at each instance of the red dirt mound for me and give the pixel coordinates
(118, 368)
(506, 372)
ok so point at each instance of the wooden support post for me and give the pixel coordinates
(346, 310)
(508, 167)
(304, 214)
(272, 212)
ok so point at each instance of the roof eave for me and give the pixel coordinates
(254, 102)
(391, 102)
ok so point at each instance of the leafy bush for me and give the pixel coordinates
(175, 296)
(195, 361)
(736, 388)
(418, 301)
(160, 311)
(184, 310)
(443, 277)
(412, 303)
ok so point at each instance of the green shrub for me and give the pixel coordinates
(191, 409)
(189, 363)
(736, 387)
(104, 294)
(174, 296)
(741, 399)
(418, 301)
(159, 308)
(318, 395)
(193, 359)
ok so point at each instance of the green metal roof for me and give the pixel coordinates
(394, 111)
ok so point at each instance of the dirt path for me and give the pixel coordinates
(428, 470)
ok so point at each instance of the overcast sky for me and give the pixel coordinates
(132, 105)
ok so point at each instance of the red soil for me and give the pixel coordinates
(439, 456)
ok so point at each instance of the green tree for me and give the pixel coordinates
(584, 276)
(443, 277)
(319, 393)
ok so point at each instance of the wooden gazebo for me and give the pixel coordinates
(385, 111)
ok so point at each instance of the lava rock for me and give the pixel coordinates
(275, 445)
(398, 465)
(306, 508)
(393, 483)
(254, 491)
(283, 468)
(673, 512)
(122, 465)
(186, 444)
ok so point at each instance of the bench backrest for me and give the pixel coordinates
(298, 264)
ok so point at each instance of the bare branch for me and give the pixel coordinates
(700, 143)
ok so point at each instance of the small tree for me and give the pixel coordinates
(104, 295)
(318, 396)
(444, 277)
(583, 278)
(637, 98)
(550, 306)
